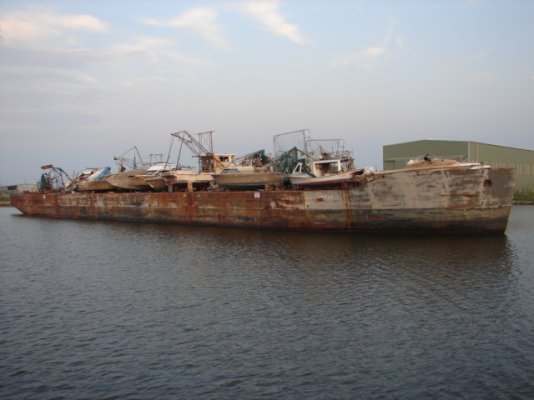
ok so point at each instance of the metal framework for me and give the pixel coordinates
(52, 178)
(201, 148)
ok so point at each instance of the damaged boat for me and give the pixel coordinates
(253, 172)
(438, 197)
(91, 179)
(329, 171)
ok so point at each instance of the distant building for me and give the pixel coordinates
(26, 187)
(23, 187)
(396, 156)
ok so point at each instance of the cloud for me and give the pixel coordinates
(266, 13)
(201, 21)
(30, 27)
(141, 45)
(369, 57)
(365, 59)
(479, 55)
(154, 48)
(37, 79)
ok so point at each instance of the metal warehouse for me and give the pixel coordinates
(396, 156)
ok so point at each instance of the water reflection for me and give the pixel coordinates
(179, 311)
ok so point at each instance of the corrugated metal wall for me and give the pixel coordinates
(396, 156)
(500, 156)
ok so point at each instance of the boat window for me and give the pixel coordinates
(334, 168)
(326, 168)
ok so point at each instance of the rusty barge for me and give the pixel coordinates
(444, 199)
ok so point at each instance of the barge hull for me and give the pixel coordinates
(447, 201)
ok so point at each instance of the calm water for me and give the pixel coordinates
(125, 310)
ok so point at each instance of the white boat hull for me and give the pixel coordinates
(248, 180)
(306, 180)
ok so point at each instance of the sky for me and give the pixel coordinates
(84, 81)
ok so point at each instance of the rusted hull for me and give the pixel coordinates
(416, 202)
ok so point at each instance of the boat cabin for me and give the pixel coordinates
(216, 162)
(325, 167)
(158, 168)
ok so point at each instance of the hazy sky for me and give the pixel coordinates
(83, 81)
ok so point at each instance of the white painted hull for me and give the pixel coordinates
(306, 180)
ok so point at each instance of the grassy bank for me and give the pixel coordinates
(4, 198)
(524, 197)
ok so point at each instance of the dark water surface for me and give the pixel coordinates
(125, 310)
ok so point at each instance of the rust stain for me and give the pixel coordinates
(417, 201)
